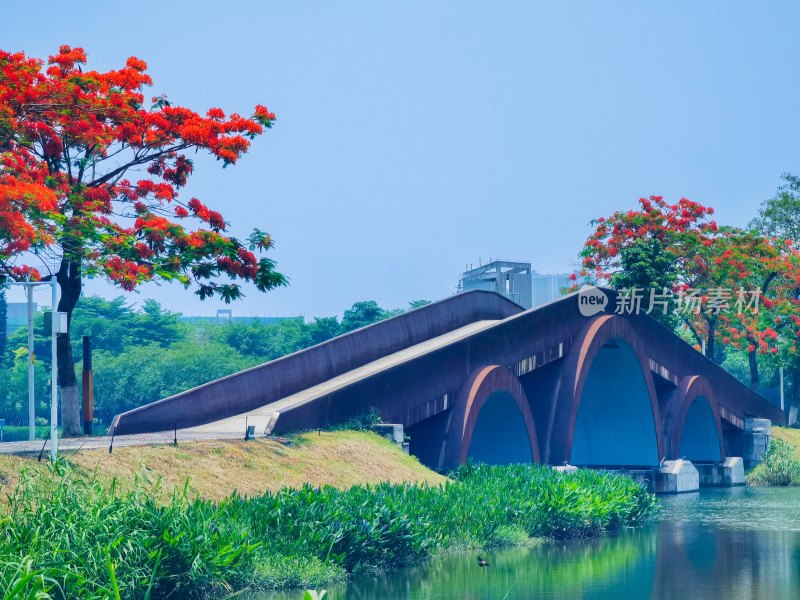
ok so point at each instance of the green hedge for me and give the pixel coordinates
(19, 433)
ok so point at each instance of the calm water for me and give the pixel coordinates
(727, 544)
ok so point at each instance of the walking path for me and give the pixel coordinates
(68, 445)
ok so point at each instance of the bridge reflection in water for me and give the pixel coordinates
(717, 544)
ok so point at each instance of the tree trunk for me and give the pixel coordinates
(69, 280)
(712, 334)
(753, 363)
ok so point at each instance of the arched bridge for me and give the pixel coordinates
(476, 376)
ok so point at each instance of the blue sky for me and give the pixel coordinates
(415, 137)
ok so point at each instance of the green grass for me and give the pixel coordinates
(74, 537)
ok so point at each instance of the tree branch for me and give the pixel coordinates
(138, 160)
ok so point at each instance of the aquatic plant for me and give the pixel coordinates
(67, 536)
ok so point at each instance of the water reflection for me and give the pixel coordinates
(741, 543)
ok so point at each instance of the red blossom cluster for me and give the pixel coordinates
(68, 137)
(708, 256)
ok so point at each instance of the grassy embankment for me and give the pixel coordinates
(216, 469)
(87, 527)
(781, 466)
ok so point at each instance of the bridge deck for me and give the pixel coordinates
(261, 417)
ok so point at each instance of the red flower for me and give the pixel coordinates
(136, 64)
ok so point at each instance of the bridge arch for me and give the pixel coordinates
(692, 424)
(491, 421)
(605, 410)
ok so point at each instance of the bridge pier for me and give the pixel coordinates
(729, 473)
(679, 476)
(757, 434)
(676, 477)
(751, 442)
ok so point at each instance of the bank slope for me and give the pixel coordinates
(215, 469)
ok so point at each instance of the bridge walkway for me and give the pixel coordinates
(264, 418)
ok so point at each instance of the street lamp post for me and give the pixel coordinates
(31, 367)
(54, 331)
(57, 327)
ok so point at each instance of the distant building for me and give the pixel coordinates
(547, 288)
(516, 281)
(511, 279)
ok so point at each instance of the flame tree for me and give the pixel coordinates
(90, 173)
(700, 258)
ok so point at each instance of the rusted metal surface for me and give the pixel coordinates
(478, 388)
(388, 366)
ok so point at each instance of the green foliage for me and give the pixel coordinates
(14, 433)
(779, 468)
(321, 329)
(359, 423)
(74, 538)
(736, 363)
(113, 325)
(265, 341)
(418, 303)
(144, 374)
(14, 389)
(118, 333)
(362, 314)
(546, 503)
(20, 581)
(646, 265)
(780, 215)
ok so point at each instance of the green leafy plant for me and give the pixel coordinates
(779, 468)
(70, 536)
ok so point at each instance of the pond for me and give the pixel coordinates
(719, 543)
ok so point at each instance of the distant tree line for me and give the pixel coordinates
(145, 353)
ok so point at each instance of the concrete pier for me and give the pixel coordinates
(679, 476)
(393, 432)
(757, 434)
(676, 477)
(728, 474)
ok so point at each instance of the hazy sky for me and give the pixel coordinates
(415, 137)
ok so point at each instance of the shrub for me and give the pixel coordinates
(780, 466)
